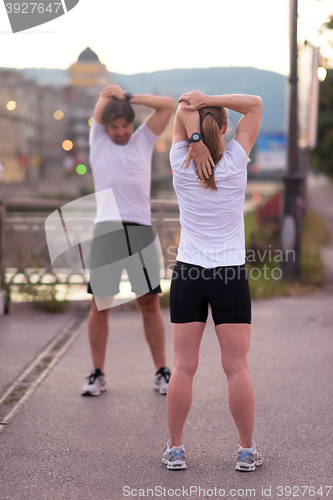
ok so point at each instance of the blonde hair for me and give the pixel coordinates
(212, 120)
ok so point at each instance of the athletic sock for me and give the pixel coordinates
(176, 448)
(249, 450)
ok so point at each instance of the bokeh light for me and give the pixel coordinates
(11, 105)
(90, 122)
(67, 145)
(81, 169)
(160, 146)
(255, 193)
(58, 115)
(321, 73)
(255, 168)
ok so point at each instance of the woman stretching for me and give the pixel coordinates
(210, 267)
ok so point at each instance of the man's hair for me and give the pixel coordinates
(118, 108)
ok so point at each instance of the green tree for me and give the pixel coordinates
(322, 156)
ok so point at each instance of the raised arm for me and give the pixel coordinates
(163, 108)
(187, 123)
(157, 121)
(108, 94)
(249, 106)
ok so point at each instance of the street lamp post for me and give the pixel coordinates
(292, 209)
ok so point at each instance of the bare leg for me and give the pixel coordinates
(234, 340)
(186, 339)
(153, 326)
(98, 330)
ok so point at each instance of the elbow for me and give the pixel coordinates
(170, 103)
(182, 108)
(258, 101)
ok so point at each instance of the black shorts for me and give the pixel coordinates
(117, 246)
(225, 289)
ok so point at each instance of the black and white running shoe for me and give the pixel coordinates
(162, 377)
(96, 384)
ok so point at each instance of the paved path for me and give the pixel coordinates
(63, 446)
(22, 336)
(320, 195)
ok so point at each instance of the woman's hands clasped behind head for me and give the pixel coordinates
(195, 100)
(198, 152)
(201, 156)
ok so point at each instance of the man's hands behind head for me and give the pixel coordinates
(113, 92)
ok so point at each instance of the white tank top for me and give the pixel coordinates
(212, 223)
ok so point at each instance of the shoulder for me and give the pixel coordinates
(98, 132)
(178, 154)
(143, 133)
(235, 153)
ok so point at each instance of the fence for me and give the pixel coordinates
(24, 256)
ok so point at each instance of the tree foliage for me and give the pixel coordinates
(322, 156)
(329, 24)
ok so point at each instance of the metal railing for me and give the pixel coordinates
(24, 256)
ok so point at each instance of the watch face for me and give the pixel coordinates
(195, 137)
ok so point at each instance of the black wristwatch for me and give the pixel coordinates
(196, 137)
(128, 96)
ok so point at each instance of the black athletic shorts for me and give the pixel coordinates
(117, 246)
(225, 289)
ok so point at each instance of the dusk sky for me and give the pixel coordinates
(149, 35)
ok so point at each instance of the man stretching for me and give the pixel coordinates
(121, 160)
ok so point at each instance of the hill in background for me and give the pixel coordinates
(269, 85)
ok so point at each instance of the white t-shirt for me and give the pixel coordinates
(212, 222)
(125, 169)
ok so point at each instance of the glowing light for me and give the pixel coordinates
(321, 73)
(255, 168)
(81, 169)
(255, 198)
(11, 105)
(160, 146)
(58, 114)
(67, 145)
(90, 122)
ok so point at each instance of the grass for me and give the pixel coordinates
(315, 234)
(43, 297)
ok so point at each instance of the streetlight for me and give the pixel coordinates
(292, 209)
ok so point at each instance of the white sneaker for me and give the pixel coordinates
(248, 459)
(174, 458)
(96, 384)
(162, 378)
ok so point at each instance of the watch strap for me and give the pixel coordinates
(196, 137)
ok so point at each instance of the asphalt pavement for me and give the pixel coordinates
(63, 446)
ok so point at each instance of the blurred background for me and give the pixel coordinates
(50, 81)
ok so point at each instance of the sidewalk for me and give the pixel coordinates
(320, 198)
(63, 446)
